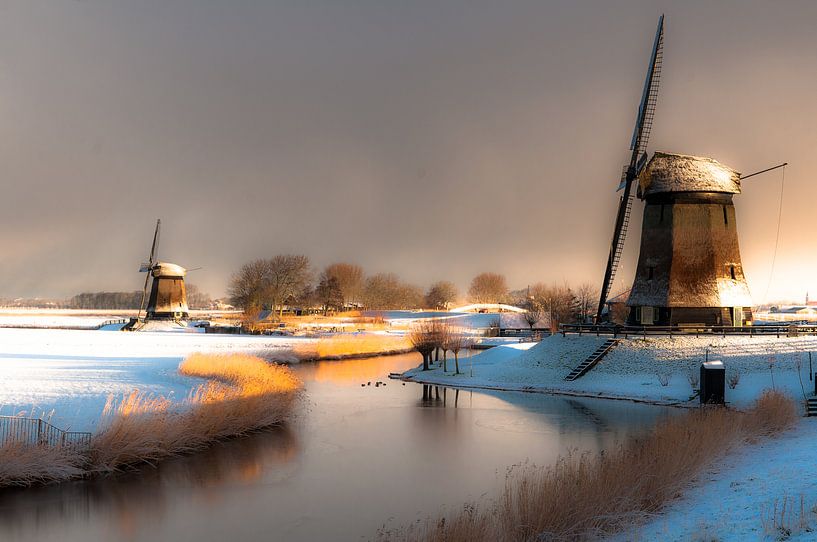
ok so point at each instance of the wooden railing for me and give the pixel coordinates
(686, 330)
(35, 431)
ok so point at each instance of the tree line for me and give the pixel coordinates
(196, 299)
(288, 280)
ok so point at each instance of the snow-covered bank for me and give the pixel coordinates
(638, 368)
(737, 499)
(73, 372)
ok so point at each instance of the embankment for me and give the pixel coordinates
(243, 394)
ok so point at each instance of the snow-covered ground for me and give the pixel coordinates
(636, 368)
(742, 496)
(88, 321)
(72, 372)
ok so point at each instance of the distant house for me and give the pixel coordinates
(798, 309)
(617, 307)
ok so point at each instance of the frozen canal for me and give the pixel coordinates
(356, 458)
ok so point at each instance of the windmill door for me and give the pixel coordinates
(737, 316)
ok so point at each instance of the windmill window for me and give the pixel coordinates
(732, 272)
(725, 216)
(661, 220)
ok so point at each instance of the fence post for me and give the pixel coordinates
(39, 430)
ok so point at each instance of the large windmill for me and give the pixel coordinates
(638, 159)
(168, 295)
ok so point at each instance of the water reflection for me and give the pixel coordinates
(134, 501)
(355, 371)
(354, 457)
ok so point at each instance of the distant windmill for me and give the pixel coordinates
(638, 159)
(168, 295)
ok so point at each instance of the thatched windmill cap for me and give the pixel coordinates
(165, 269)
(669, 172)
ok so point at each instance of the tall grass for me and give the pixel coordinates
(587, 496)
(24, 465)
(243, 394)
(343, 345)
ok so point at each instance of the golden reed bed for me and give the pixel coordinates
(591, 496)
(350, 345)
(244, 394)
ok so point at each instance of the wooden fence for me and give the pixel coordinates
(37, 432)
(636, 331)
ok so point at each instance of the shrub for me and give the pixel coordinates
(732, 379)
(694, 379)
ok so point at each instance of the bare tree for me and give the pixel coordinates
(441, 294)
(556, 301)
(442, 332)
(534, 312)
(196, 299)
(328, 293)
(272, 282)
(386, 291)
(289, 276)
(350, 280)
(456, 340)
(248, 285)
(587, 299)
(421, 336)
(488, 288)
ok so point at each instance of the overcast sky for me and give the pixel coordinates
(433, 139)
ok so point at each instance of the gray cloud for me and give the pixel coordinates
(434, 139)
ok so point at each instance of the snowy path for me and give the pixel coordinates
(734, 500)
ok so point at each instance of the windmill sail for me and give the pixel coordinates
(148, 267)
(638, 146)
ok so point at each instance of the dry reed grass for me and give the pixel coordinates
(244, 394)
(24, 464)
(588, 496)
(347, 345)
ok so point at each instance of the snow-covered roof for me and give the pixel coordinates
(166, 269)
(669, 172)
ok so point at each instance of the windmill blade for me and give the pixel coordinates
(144, 294)
(638, 146)
(146, 268)
(649, 96)
(154, 255)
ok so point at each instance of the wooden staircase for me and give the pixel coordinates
(811, 406)
(594, 358)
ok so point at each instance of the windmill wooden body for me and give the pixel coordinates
(689, 268)
(168, 295)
